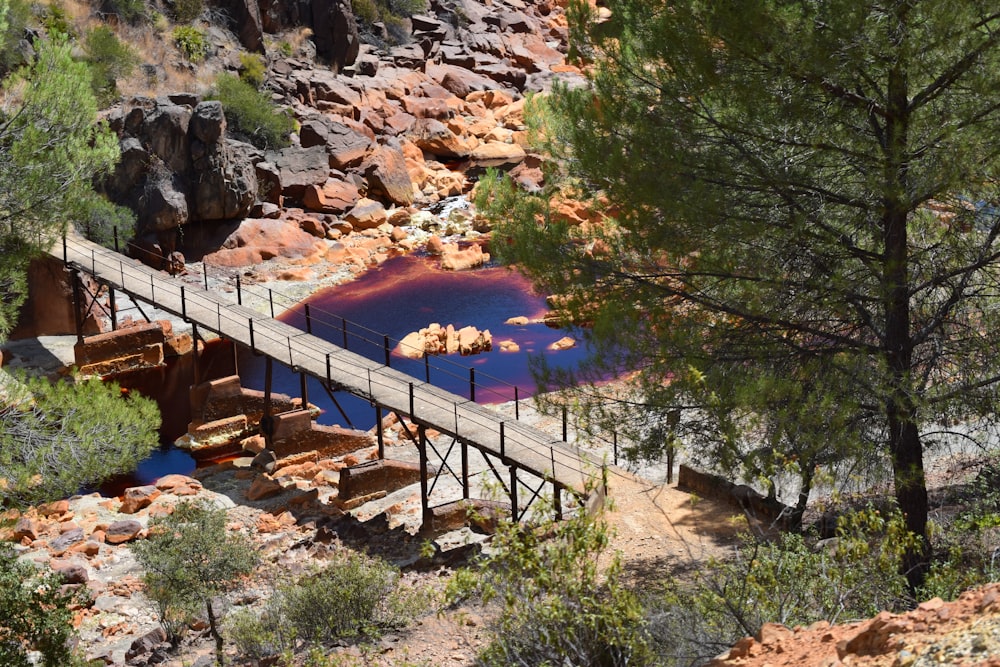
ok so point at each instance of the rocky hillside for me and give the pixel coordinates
(382, 132)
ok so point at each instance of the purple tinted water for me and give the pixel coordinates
(406, 294)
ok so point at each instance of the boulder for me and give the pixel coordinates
(163, 204)
(335, 32)
(345, 146)
(246, 16)
(123, 531)
(299, 167)
(463, 259)
(137, 498)
(164, 133)
(334, 196)
(366, 214)
(434, 137)
(385, 171)
(257, 239)
(326, 86)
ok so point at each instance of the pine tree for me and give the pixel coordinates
(801, 221)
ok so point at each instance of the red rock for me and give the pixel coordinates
(385, 171)
(174, 483)
(123, 531)
(27, 529)
(462, 260)
(263, 487)
(366, 214)
(334, 196)
(54, 509)
(138, 497)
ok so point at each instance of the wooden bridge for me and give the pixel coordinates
(517, 446)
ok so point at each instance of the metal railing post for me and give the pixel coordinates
(309, 325)
(472, 385)
(385, 344)
(517, 405)
(183, 305)
(270, 299)
(239, 290)
(252, 346)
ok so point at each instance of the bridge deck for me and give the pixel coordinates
(521, 445)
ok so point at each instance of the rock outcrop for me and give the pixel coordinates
(435, 339)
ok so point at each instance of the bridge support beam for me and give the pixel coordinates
(425, 501)
(379, 433)
(465, 470)
(513, 495)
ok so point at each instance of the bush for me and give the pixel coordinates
(35, 614)
(556, 605)
(252, 114)
(355, 597)
(252, 69)
(106, 222)
(192, 42)
(132, 12)
(787, 581)
(185, 11)
(11, 33)
(57, 22)
(110, 59)
(391, 13)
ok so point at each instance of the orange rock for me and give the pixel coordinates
(263, 487)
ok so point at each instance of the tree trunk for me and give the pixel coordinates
(214, 628)
(905, 448)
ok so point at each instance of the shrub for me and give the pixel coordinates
(252, 114)
(189, 558)
(11, 33)
(132, 12)
(192, 42)
(110, 59)
(557, 606)
(185, 11)
(787, 581)
(354, 597)
(105, 222)
(391, 13)
(57, 22)
(35, 614)
(252, 69)
(350, 598)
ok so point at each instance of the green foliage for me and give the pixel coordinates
(252, 113)
(132, 12)
(62, 436)
(35, 614)
(14, 17)
(51, 149)
(353, 597)
(969, 544)
(104, 221)
(57, 22)
(190, 557)
(110, 59)
(391, 13)
(185, 11)
(556, 604)
(780, 210)
(787, 581)
(252, 69)
(192, 42)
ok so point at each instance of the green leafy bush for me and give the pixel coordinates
(12, 25)
(35, 614)
(105, 222)
(57, 22)
(252, 114)
(252, 69)
(354, 597)
(110, 59)
(192, 42)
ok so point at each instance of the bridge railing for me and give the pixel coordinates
(224, 309)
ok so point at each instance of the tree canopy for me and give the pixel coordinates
(799, 247)
(51, 149)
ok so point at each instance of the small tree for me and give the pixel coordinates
(189, 558)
